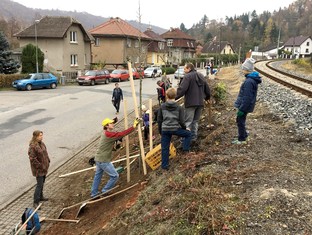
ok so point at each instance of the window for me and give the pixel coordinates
(161, 45)
(73, 60)
(308, 43)
(192, 45)
(307, 51)
(170, 42)
(188, 44)
(97, 42)
(136, 44)
(128, 42)
(73, 36)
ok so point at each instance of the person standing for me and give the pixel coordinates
(195, 90)
(246, 100)
(171, 122)
(117, 97)
(39, 162)
(104, 155)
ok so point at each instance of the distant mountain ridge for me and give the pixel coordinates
(26, 16)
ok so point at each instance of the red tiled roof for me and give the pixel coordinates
(149, 32)
(117, 27)
(176, 33)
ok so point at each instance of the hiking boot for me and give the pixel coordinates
(239, 142)
(44, 199)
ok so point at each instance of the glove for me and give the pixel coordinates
(240, 113)
(136, 122)
(115, 119)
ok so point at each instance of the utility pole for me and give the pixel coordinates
(36, 42)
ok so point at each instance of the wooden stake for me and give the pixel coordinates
(127, 141)
(137, 115)
(93, 167)
(150, 104)
(59, 220)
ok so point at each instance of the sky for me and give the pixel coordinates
(162, 13)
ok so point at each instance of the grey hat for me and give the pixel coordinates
(248, 64)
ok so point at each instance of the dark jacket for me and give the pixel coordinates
(194, 88)
(39, 159)
(247, 95)
(170, 117)
(117, 94)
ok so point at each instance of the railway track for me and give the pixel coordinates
(291, 81)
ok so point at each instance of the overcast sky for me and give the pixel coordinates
(162, 13)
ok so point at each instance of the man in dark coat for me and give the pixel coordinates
(195, 90)
(246, 100)
(117, 97)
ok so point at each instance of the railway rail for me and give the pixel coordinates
(299, 84)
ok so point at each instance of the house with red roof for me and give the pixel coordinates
(117, 42)
(180, 46)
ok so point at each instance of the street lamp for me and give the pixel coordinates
(36, 39)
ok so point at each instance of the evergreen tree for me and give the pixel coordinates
(29, 59)
(7, 64)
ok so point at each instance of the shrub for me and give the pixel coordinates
(7, 79)
(219, 92)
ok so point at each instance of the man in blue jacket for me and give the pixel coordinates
(246, 100)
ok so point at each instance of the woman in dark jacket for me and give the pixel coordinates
(39, 162)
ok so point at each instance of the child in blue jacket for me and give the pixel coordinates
(246, 100)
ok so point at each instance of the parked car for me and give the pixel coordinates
(137, 73)
(119, 75)
(36, 80)
(93, 77)
(179, 73)
(148, 72)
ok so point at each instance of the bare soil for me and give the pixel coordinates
(264, 187)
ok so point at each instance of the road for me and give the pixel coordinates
(69, 116)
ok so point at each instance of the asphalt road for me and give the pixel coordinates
(69, 116)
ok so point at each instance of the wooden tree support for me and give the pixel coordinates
(79, 203)
(43, 219)
(101, 199)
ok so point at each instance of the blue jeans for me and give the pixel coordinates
(39, 188)
(241, 125)
(165, 144)
(109, 169)
(192, 115)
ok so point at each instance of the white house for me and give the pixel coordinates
(300, 46)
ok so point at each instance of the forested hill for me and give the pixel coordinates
(253, 29)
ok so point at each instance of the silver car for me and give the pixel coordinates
(179, 73)
(148, 72)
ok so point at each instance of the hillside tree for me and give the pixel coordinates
(7, 64)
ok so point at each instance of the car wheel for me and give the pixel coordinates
(53, 86)
(92, 82)
(28, 87)
(80, 84)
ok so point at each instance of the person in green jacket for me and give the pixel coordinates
(104, 155)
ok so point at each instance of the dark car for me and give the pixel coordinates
(36, 80)
(119, 75)
(93, 77)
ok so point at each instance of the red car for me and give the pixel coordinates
(119, 75)
(93, 77)
(137, 73)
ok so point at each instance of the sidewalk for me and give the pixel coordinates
(10, 215)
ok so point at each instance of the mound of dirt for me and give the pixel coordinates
(263, 187)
